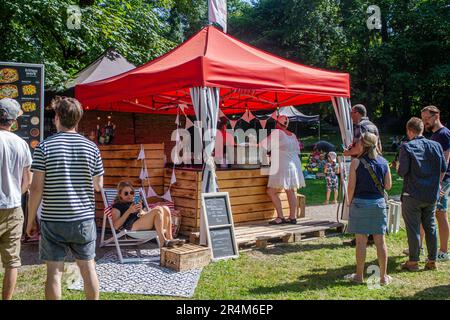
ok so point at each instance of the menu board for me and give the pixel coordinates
(222, 242)
(218, 217)
(216, 208)
(24, 82)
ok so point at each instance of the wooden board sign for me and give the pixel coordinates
(219, 225)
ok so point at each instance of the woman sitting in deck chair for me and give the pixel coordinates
(126, 214)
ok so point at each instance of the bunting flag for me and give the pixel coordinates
(144, 173)
(233, 123)
(250, 116)
(274, 115)
(167, 196)
(263, 123)
(245, 117)
(189, 123)
(174, 178)
(222, 115)
(141, 155)
(151, 192)
(177, 120)
(182, 107)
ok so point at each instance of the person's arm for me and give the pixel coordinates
(36, 191)
(352, 180)
(98, 172)
(388, 179)
(98, 183)
(26, 179)
(404, 162)
(447, 159)
(119, 220)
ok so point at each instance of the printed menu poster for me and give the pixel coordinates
(25, 83)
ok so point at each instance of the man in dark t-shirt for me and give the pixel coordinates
(361, 124)
(432, 122)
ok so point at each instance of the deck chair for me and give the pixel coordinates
(124, 237)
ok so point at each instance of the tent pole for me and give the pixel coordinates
(319, 129)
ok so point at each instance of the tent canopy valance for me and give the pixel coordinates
(248, 78)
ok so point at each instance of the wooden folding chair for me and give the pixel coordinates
(124, 237)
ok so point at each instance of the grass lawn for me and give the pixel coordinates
(308, 270)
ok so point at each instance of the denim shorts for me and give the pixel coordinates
(442, 203)
(368, 216)
(57, 238)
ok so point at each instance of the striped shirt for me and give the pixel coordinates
(70, 161)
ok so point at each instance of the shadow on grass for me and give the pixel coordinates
(432, 293)
(321, 278)
(299, 247)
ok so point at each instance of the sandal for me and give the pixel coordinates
(353, 278)
(278, 220)
(387, 281)
(291, 221)
(179, 242)
(413, 267)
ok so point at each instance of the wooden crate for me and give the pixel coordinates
(186, 257)
(301, 207)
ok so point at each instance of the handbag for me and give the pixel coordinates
(375, 180)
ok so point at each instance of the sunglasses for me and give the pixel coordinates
(126, 193)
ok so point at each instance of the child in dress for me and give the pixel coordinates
(331, 171)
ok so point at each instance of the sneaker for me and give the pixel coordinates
(443, 256)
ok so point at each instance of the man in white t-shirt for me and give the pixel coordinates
(15, 179)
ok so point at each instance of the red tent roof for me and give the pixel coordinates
(248, 77)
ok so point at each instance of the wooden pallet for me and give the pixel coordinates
(261, 234)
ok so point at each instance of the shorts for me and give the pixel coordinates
(442, 203)
(57, 238)
(11, 224)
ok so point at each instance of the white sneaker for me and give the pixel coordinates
(443, 256)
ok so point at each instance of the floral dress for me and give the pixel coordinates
(331, 175)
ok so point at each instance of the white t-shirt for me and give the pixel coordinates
(14, 157)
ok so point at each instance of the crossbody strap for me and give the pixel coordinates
(372, 174)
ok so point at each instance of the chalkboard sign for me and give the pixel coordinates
(219, 225)
(24, 82)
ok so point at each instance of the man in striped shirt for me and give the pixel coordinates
(66, 167)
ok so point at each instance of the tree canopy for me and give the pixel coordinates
(394, 70)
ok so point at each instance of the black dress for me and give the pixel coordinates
(123, 207)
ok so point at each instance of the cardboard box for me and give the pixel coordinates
(186, 257)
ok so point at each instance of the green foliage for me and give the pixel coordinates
(37, 31)
(394, 71)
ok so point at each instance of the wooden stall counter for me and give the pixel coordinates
(246, 187)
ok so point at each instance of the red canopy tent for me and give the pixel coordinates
(248, 78)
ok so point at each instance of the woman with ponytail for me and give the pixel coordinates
(368, 179)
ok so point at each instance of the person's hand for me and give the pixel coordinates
(134, 208)
(32, 229)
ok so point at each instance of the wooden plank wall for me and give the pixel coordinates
(120, 163)
(247, 189)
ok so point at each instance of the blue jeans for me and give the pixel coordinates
(415, 213)
(57, 238)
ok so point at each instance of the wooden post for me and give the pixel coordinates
(301, 206)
